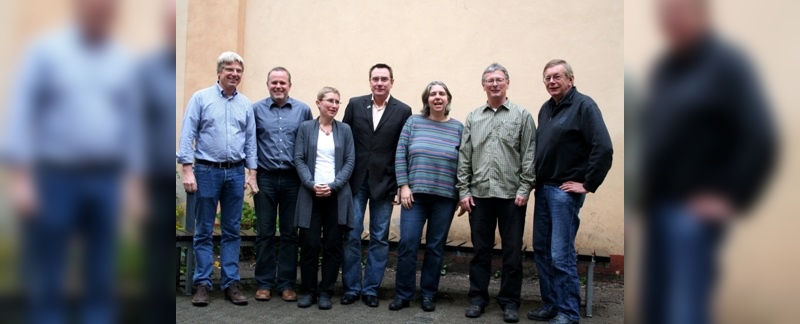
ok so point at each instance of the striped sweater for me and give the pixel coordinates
(427, 156)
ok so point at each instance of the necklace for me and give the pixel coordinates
(327, 133)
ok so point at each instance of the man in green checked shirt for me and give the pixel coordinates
(495, 177)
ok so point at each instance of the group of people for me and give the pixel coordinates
(316, 177)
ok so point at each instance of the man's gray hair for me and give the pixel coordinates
(495, 67)
(228, 58)
(556, 62)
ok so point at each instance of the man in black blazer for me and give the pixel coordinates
(376, 121)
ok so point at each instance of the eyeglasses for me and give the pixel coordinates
(380, 79)
(491, 81)
(554, 77)
(332, 101)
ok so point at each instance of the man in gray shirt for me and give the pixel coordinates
(277, 119)
(219, 122)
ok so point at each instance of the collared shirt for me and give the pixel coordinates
(75, 104)
(276, 128)
(496, 158)
(377, 111)
(222, 128)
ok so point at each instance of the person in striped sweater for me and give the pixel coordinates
(425, 164)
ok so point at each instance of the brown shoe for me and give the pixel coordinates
(263, 294)
(235, 295)
(289, 295)
(200, 297)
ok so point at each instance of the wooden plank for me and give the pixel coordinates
(249, 232)
(393, 237)
(365, 236)
(602, 256)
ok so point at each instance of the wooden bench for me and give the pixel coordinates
(184, 240)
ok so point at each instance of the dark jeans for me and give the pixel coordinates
(276, 199)
(324, 233)
(82, 202)
(681, 265)
(488, 214)
(555, 224)
(438, 212)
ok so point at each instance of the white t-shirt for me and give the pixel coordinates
(325, 169)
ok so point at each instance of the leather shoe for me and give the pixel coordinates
(398, 304)
(235, 295)
(510, 314)
(325, 302)
(474, 311)
(306, 300)
(562, 319)
(200, 297)
(263, 294)
(427, 304)
(348, 299)
(371, 301)
(542, 314)
(289, 295)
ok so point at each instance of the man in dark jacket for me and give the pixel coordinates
(573, 156)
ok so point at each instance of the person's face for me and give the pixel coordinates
(328, 105)
(279, 86)
(96, 16)
(682, 21)
(380, 82)
(437, 99)
(230, 76)
(495, 84)
(556, 81)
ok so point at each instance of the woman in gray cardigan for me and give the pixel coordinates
(324, 156)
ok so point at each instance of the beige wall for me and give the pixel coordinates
(335, 42)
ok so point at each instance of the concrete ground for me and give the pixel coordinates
(450, 306)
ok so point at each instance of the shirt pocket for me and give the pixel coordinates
(510, 133)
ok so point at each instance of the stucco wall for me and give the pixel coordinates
(335, 42)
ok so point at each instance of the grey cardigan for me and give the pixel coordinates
(305, 160)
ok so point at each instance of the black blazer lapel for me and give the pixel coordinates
(390, 109)
(368, 111)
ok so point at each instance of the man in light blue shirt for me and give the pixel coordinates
(219, 122)
(277, 119)
(73, 138)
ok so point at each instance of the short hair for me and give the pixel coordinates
(228, 58)
(495, 67)
(280, 69)
(325, 90)
(426, 109)
(556, 62)
(382, 66)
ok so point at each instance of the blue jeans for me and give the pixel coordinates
(438, 212)
(226, 187)
(380, 212)
(83, 202)
(555, 224)
(681, 266)
(277, 192)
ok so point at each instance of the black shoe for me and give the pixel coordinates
(510, 314)
(542, 314)
(348, 299)
(427, 304)
(398, 304)
(371, 301)
(474, 311)
(325, 302)
(306, 300)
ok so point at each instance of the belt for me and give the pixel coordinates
(221, 165)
